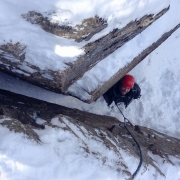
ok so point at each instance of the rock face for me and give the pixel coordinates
(80, 32)
(14, 62)
(19, 113)
(101, 48)
(114, 79)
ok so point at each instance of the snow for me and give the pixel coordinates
(61, 154)
(159, 81)
(52, 52)
(123, 56)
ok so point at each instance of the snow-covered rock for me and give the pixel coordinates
(84, 138)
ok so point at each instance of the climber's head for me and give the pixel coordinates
(127, 83)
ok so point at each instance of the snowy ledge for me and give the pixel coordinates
(71, 131)
(82, 90)
(54, 62)
(106, 73)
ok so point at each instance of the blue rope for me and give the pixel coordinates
(139, 148)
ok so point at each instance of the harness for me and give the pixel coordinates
(126, 99)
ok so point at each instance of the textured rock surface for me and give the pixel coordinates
(96, 125)
(14, 62)
(80, 32)
(108, 84)
(101, 48)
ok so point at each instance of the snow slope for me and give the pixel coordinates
(62, 155)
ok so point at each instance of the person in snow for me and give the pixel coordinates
(124, 91)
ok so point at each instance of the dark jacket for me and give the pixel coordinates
(113, 94)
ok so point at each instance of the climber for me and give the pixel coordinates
(124, 91)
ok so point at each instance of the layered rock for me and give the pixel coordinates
(80, 32)
(86, 95)
(19, 114)
(60, 80)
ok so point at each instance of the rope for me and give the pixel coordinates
(139, 148)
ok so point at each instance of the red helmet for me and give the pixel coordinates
(128, 81)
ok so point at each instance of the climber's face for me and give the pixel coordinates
(124, 90)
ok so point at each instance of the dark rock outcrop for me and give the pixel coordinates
(59, 81)
(12, 61)
(114, 79)
(101, 48)
(96, 125)
(80, 32)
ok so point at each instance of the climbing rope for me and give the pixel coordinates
(139, 148)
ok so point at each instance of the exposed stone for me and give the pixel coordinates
(58, 81)
(101, 48)
(16, 126)
(16, 50)
(22, 116)
(114, 79)
(12, 61)
(96, 125)
(80, 32)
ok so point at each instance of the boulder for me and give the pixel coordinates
(79, 90)
(14, 109)
(13, 55)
